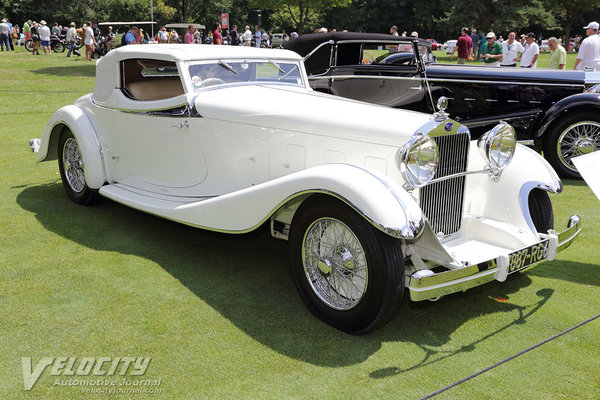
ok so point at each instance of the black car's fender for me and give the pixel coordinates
(573, 103)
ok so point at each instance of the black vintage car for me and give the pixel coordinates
(557, 112)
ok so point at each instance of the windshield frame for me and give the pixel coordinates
(186, 73)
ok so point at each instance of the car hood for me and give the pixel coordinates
(481, 73)
(307, 111)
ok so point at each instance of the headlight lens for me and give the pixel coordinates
(418, 160)
(498, 145)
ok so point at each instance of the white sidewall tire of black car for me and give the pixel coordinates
(568, 137)
(540, 209)
(384, 284)
(71, 167)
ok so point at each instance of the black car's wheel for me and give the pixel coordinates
(71, 167)
(572, 136)
(540, 208)
(29, 45)
(349, 274)
(58, 47)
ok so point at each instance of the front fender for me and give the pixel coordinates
(74, 118)
(576, 102)
(380, 200)
(508, 198)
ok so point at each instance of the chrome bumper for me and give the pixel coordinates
(459, 280)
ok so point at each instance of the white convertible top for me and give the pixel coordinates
(107, 68)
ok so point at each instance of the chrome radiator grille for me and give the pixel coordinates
(442, 202)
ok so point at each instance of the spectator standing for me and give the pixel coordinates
(531, 52)
(558, 55)
(131, 35)
(27, 29)
(174, 37)
(55, 29)
(475, 41)
(89, 41)
(589, 50)
(189, 35)
(4, 35)
(257, 36)
(35, 38)
(247, 36)
(71, 38)
(464, 45)
(10, 34)
(394, 30)
(217, 37)
(511, 50)
(235, 36)
(45, 37)
(163, 35)
(491, 51)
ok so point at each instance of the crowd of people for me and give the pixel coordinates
(524, 51)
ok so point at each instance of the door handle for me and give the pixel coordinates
(181, 125)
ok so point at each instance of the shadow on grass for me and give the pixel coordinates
(245, 279)
(68, 70)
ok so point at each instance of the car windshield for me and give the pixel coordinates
(225, 72)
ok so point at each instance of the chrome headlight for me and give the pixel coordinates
(418, 160)
(498, 146)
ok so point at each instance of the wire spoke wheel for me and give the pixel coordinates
(335, 263)
(578, 139)
(73, 165)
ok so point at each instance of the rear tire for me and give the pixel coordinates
(72, 170)
(349, 274)
(540, 208)
(29, 45)
(572, 136)
(58, 47)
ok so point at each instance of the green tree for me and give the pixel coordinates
(301, 13)
(572, 10)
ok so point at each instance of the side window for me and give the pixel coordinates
(144, 79)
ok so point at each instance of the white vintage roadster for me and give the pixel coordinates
(373, 200)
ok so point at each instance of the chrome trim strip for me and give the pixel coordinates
(317, 48)
(451, 80)
(443, 178)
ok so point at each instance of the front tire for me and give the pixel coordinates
(58, 47)
(29, 45)
(349, 274)
(572, 136)
(72, 170)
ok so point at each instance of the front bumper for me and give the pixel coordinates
(461, 279)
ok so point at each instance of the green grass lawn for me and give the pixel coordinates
(219, 315)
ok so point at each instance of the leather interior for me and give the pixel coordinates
(155, 89)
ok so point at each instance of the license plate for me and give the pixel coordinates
(523, 258)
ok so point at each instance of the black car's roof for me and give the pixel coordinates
(306, 43)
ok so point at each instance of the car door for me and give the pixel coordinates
(377, 73)
(153, 143)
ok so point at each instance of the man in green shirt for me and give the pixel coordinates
(491, 52)
(558, 56)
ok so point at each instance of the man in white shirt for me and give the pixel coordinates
(247, 36)
(511, 49)
(589, 51)
(530, 53)
(45, 37)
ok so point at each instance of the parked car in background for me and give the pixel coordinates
(449, 46)
(558, 112)
(369, 198)
(434, 44)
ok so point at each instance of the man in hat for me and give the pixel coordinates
(45, 37)
(589, 51)
(72, 39)
(491, 51)
(531, 53)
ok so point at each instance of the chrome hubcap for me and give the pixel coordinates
(578, 139)
(334, 263)
(73, 165)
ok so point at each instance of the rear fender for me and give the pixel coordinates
(73, 118)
